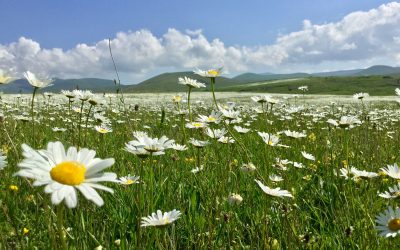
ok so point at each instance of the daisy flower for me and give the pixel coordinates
(3, 161)
(198, 144)
(190, 82)
(5, 78)
(269, 139)
(35, 81)
(129, 180)
(159, 219)
(388, 222)
(215, 133)
(274, 191)
(178, 147)
(248, 167)
(196, 125)
(103, 129)
(392, 170)
(241, 130)
(360, 96)
(235, 199)
(394, 192)
(63, 172)
(308, 156)
(294, 134)
(211, 73)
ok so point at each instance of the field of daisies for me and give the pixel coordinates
(198, 170)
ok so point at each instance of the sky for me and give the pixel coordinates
(69, 39)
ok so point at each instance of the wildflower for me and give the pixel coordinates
(211, 73)
(274, 191)
(13, 188)
(5, 78)
(392, 170)
(36, 82)
(214, 117)
(3, 161)
(83, 95)
(226, 140)
(154, 146)
(197, 169)
(25, 231)
(294, 134)
(198, 144)
(308, 156)
(275, 178)
(177, 98)
(103, 129)
(57, 129)
(159, 219)
(178, 147)
(65, 171)
(235, 199)
(248, 167)
(269, 139)
(196, 125)
(388, 222)
(360, 96)
(68, 94)
(215, 133)
(303, 88)
(394, 192)
(241, 130)
(129, 180)
(192, 83)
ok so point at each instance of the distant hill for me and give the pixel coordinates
(94, 84)
(168, 82)
(253, 77)
(333, 85)
(379, 70)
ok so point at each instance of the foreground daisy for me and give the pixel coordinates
(3, 161)
(392, 170)
(65, 171)
(159, 219)
(308, 156)
(274, 191)
(389, 222)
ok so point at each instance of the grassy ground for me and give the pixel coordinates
(327, 210)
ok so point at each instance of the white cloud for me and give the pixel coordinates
(358, 40)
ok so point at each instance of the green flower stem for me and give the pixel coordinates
(190, 113)
(33, 115)
(79, 124)
(213, 92)
(86, 122)
(60, 221)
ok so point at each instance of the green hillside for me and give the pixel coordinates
(168, 82)
(253, 77)
(374, 85)
(94, 84)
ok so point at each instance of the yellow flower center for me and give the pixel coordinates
(103, 131)
(270, 142)
(129, 181)
(197, 124)
(213, 72)
(68, 173)
(394, 224)
(165, 221)
(211, 119)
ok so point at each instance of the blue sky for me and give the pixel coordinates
(248, 31)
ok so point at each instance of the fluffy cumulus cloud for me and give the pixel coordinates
(358, 40)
